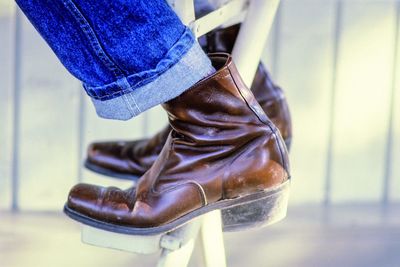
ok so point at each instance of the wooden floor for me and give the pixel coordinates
(354, 236)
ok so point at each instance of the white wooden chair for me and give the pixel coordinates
(176, 246)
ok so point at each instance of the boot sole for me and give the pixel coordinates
(252, 211)
(106, 172)
(262, 211)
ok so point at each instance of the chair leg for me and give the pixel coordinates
(185, 237)
(212, 240)
(184, 9)
(253, 36)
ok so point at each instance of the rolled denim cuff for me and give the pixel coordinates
(129, 101)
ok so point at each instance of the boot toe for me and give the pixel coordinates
(101, 152)
(109, 155)
(107, 204)
(85, 199)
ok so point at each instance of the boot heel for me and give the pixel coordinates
(266, 208)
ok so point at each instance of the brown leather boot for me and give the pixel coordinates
(131, 159)
(222, 153)
(269, 96)
(126, 159)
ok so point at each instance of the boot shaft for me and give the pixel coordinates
(219, 120)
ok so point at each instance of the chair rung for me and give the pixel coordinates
(232, 10)
(220, 16)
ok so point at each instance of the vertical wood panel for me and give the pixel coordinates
(338, 21)
(49, 103)
(304, 71)
(98, 129)
(157, 119)
(6, 13)
(394, 190)
(362, 97)
(16, 112)
(81, 128)
(271, 51)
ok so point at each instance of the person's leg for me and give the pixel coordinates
(128, 54)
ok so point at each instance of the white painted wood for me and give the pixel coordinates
(394, 191)
(212, 240)
(270, 54)
(218, 17)
(48, 150)
(99, 129)
(176, 246)
(157, 120)
(6, 52)
(304, 69)
(184, 9)
(106, 239)
(146, 244)
(362, 97)
(177, 258)
(256, 26)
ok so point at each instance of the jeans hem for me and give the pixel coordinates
(125, 85)
(191, 68)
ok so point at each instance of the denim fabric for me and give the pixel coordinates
(191, 68)
(117, 47)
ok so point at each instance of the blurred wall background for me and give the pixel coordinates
(337, 60)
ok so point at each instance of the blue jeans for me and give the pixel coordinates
(129, 55)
